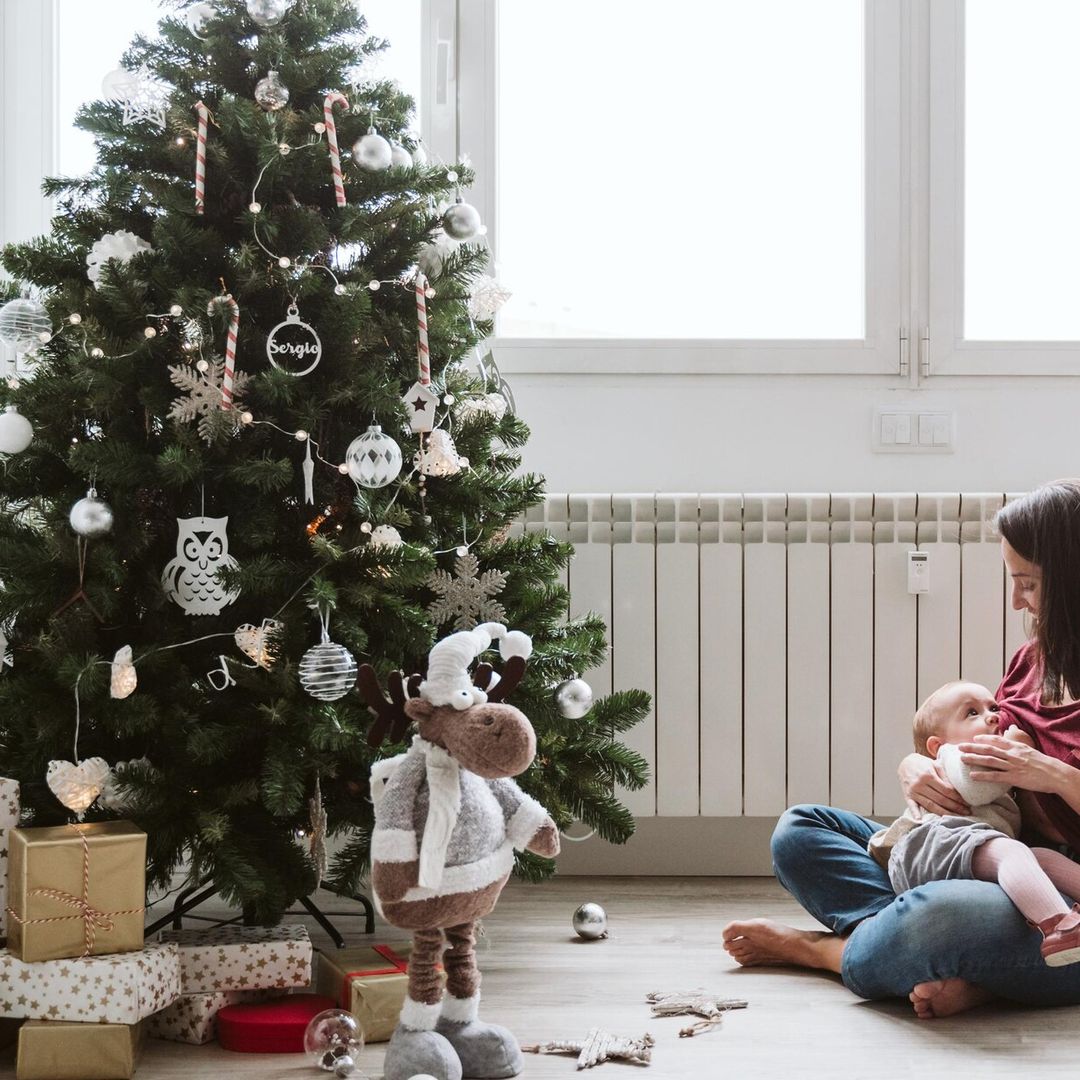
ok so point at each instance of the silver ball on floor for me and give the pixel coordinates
(590, 922)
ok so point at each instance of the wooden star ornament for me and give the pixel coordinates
(597, 1047)
(693, 1003)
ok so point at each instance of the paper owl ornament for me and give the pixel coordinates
(191, 578)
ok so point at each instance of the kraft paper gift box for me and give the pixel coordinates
(193, 1017)
(59, 1050)
(369, 981)
(242, 958)
(9, 819)
(120, 989)
(76, 890)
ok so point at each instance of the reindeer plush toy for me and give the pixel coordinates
(447, 820)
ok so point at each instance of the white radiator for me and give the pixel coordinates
(778, 638)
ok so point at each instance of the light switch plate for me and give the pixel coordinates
(913, 429)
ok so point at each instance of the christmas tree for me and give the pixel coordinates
(227, 311)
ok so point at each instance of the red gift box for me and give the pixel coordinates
(270, 1027)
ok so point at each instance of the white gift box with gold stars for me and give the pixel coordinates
(193, 1017)
(121, 988)
(242, 958)
(9, 819)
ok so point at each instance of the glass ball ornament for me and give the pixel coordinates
(462, 221)
(328, 671)
(268, 12)
(574, 698)
(91, 516)
(373, 459)
(197, 16)
(271, 93)
(116, 84)
(590, 922)
(331, 1036)
(16, 433)
(22, 322)
(400, 158)
(372, 152)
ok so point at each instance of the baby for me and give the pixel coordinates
(920, 847)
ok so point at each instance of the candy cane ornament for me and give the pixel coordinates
(230, 346)
(331, 137)
(422, 353)
(200, 158)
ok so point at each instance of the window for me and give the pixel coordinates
(702, 187)
(695, 175)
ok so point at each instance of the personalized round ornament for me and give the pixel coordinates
(293, 346)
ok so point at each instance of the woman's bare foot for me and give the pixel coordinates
(946, 997)
(757, 942)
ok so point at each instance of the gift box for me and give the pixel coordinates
(76, 890)
(9, 819)
(242, 958)
(9, 1031)
(59, 1050)
(270, 1027)
(370, 981)
(120, 989)
(192, 1018)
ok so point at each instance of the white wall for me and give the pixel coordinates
(600, 433)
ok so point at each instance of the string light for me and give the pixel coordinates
(149, 332)
(74, 318)
(176, 311)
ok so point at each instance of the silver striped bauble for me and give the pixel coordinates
(328, 671)
(22, 324)
(373, 459)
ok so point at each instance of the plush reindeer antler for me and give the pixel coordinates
(390, 718)
(513, 672)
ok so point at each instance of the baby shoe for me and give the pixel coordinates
(1061, 938)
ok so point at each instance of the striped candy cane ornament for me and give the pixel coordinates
(331, 137)
(200, 158)
(230, 346)
(422, 353)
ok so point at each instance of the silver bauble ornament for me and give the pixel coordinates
(400, 157)
(328, 671)
(590, 922)
(344, 1066)
(462, 221)
(374, 459)
(271, 93)
(22, 322)
(197, 16)
(574, 698)
(372, 152)
(90, 516)
(268, 12)
(419, 155)
(16, 434)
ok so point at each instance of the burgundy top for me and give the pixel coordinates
(1055, 730)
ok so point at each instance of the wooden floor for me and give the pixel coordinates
(544, 983)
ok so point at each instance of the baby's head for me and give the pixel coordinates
(955, 713)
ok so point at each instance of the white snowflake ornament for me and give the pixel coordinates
(203, 401)
(144, 98)
(468, 596)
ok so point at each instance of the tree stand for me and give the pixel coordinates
(194, 895)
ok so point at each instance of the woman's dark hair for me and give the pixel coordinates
(1043, 527)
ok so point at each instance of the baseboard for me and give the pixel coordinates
(678, 847)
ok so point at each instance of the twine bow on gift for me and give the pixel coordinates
(93, 919)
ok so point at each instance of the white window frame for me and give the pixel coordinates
(28, 51)
(881, 352)
(945, 350)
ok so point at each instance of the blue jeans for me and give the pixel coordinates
(941, 930)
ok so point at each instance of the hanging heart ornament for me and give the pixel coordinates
(77, 786)
(293, 346)
(260, 643)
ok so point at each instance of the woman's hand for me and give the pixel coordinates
(1006, 761)
(926, 787)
